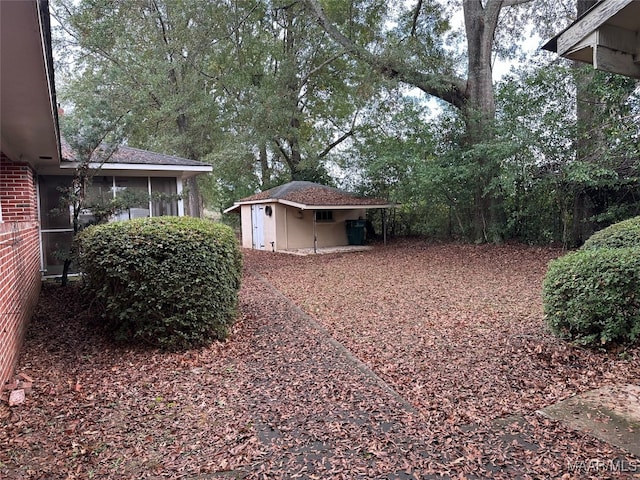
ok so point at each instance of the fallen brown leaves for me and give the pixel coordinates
(456, 330)
(103, 411)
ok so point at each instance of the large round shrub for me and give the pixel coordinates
(619, 235)
(171, 282)
(592, 297)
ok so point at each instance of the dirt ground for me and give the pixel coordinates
(413, 360)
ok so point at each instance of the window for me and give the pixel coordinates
(140, 196)
(324, 215)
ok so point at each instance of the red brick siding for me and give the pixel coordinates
(17, 192)
(19, 259)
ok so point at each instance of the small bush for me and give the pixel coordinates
(592, 297)
(619, 235)
(171, 282)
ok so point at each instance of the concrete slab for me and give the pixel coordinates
(610, 413)
(325, 250)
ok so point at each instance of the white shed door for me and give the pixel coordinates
(257, 223)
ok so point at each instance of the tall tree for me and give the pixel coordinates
(225, 81)
(301, 94)
(543, 174)
(472, 94)
(140, 57)
(587, 137)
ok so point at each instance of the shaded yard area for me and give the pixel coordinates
(408, 361)
(457, 329)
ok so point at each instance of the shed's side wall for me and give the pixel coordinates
(299, 228)
(281, 217)
(334, 234)
(270, 228)
(19, 259)
(299, 231)
(245, 227)
(290, 228)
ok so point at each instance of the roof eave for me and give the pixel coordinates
(30, 131)
(342, 207)
(304, 206)
(596, 38)
(234, 207)
(186, 170)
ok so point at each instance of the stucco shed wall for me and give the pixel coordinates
(245, 227)
(291, 228)
(295, 232)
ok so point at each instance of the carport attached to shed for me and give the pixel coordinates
(299, 215)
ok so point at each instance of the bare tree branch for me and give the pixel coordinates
(335, 143)
(513, 3)
(283, 152)
(315, 70)
(416, 14)
(448, 88)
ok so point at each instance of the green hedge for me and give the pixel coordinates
(619, 235)
(171, 282)
(592, 296)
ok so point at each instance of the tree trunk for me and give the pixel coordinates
(295, 155)
(265, 173)
(588, 138)
(194, 199)
(581, 227)
(475, 97)
(293, 91)
(479, 113)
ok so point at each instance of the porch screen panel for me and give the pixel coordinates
(100, 191)
(135, 193)
(99, 194)
(163, 195)
(56, 231)
(55, 246)
(54, 214)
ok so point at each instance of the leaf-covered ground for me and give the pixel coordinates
(408, 361)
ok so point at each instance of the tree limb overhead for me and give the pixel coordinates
(447, 88)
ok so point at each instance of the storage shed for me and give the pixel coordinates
(303, 215)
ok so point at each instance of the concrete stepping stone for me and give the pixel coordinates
(610, 413)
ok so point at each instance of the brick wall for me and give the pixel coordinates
(17, 192)
(19, 259)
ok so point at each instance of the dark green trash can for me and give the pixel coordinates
(355, 231)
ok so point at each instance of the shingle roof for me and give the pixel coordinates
(309, 193)
(134, 156)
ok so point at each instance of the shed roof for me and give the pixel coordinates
(309, 195)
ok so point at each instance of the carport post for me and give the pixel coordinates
(315, 237)
(384, 225)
